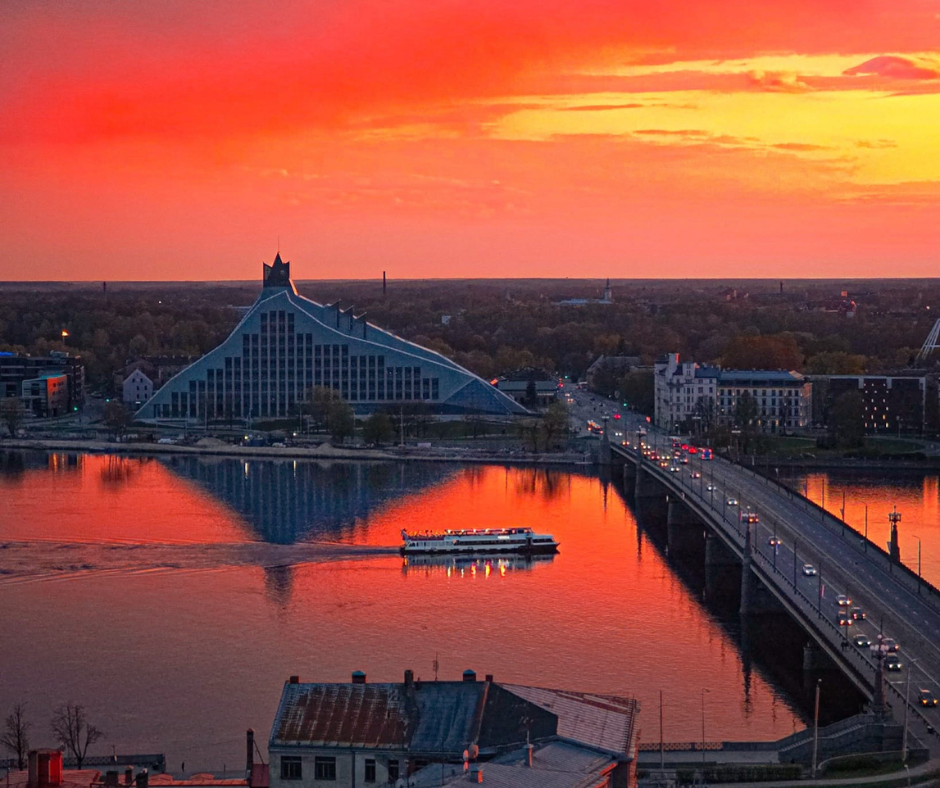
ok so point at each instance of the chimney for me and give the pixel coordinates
(489, 677)
(469, 675)
(476, 773)
(249, 751)
(409, 678)
(129, 775)
(143, 779)
(111, 778)
(294, 680)
(358, 677)
(529, 751)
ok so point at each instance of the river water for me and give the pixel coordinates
(174, 596)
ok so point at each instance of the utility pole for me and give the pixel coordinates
(816, 728)
(662, 747)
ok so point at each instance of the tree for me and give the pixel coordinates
(762, 352)
(745, 411)
(320, 400)
(531, 395)
(638, 391)
(15, 736)
(555, 422)
(116, 417)
(378, 428)
(847, 420)
(71, 729)
(340, 420)
(12, 413)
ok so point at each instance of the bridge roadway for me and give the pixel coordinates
(896, 603)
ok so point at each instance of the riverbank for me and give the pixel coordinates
(324, 451)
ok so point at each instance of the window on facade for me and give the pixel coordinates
(291, 767)
(393, 771)
(324, 767)
(370, 770)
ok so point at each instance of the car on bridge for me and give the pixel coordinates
(674, 469)
(844, 619)
(843, 601)
(774, 542)
(749, 517)
(893, 662)
(712, 487)
(926, 698)
(861, 641)
(809, 570)
(732, 502)
(684, 460)
(890, 644)
(695, 475)
(858, 614)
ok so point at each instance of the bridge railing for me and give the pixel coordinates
(914, 583)
(859, 661)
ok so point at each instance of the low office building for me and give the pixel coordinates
(530, 387)
(287, 344)
(359, 734)
(892, 404)
(46, 396)
(17, 368)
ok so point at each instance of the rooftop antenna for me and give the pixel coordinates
(930, 344)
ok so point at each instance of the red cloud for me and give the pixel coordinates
(895, 67)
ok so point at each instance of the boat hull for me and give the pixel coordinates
(509, 549)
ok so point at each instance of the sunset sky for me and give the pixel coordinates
(434, 138)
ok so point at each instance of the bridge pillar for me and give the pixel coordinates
(747, 576)
(646, 486)
(604, 454)
(629, 474)
(719, 581)
(683, 528)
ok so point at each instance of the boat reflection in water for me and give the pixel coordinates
(465, 565)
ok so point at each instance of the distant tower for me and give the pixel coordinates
(104, 287)
(781, 288)
(607, 297)
(383, 283)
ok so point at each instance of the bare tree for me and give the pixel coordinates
(12, 413)
(72, 730)
(15, 736)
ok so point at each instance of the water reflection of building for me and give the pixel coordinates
(286, 502)
(472, 566)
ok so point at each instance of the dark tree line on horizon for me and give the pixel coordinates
(495, 328)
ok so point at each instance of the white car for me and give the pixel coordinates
(843, 601)
(732, 502)
(809, 570)
(712, 488)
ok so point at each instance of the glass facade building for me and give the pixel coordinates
(287, 344)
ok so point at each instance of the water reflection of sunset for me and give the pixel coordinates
(606, 614)
(916, 497)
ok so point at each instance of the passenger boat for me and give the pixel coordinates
(479, 540)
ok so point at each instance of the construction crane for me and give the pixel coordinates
(930, 344)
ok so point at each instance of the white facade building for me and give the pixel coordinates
(682, 390)
(137, 389)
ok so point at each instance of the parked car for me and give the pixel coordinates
(809, 570)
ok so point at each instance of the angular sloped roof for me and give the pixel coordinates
(607, 722)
